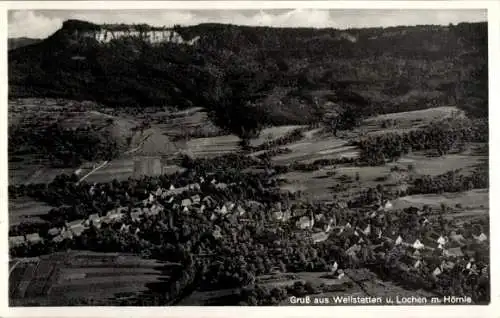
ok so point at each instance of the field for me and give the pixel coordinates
(120, 169)
(418, 116)
(310, 150)
(56, 278)
(469, 200)
(28, 171)
(26, 210)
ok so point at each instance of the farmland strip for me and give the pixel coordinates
(25, 282)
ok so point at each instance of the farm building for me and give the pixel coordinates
(54, 231)
(78, 229)
(94, 219)
(319, 237)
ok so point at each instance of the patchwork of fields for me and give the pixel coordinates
(59, 277)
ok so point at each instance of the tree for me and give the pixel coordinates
(234, 94)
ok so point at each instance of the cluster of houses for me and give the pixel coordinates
(449, 248)
(366, 240)
(148, 207)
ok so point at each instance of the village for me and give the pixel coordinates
(369, 235)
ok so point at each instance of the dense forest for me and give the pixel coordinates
(379, 69)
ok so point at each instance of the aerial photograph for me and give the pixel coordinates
(278, 157)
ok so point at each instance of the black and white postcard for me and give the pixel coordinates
(189, 155)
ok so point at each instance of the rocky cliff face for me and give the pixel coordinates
(152, 37)
(78, 30)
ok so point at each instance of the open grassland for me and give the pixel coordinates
(26, 210)
(318, 185)
(474, 200)
(437, 165)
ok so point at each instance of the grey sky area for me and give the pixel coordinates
(42, 23)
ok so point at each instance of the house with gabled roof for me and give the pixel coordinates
(78, 229)
(353, 250)
(114, 214)
(75, 223)
(441, 240)
(399, 240)
(125, 228)
(186, 203)
(388, 205)
(196, 199)
(455, 252)
(437, 271)
(93, 219)
(230, 206)
(418, 245)
(240, 210)
(54, 231)
(319, 237)
(481, 237)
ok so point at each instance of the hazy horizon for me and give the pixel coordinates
(42, 23)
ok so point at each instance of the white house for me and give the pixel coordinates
(223, 210)
(54, 231)
(441, 240)
(481, 237)
(367, 230)
(388, 205)
(437, 271)
(399, 240)
(241, 211)
(418, 245)
(186, 202)
(319, 237)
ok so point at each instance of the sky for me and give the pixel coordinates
(42, 23)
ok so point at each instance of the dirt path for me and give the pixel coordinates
(94, 170)
(141, 143)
